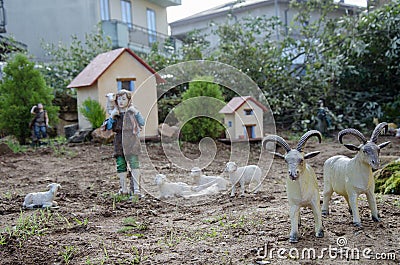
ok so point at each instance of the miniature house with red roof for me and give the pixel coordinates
(115, 70)
(243, 118)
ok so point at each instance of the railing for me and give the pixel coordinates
(146, 38)
(138, 38)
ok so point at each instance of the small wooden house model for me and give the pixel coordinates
(115, 70)
(243, 117)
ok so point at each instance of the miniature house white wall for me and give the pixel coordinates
(243, 117)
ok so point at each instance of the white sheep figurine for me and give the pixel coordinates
(301, 182)
(169, 189)
(202, 181)
(351, 177)
(243, 176)
(42, 199)
(110, 103)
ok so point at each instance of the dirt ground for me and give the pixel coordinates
(94, 225)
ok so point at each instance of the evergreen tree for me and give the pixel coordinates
(199, 110)
(93, 112)
(22, 87)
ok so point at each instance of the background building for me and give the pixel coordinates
(241, 9)
(134, 24)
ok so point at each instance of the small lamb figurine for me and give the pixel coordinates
(42, 199)
(110, 102)
(171, 189)
(204, 181)
(243, 175)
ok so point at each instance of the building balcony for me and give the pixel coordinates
(137, 38)
(166, 3)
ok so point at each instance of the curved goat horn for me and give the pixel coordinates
(377, 131)
(307, 136)
(354, 132)
(279, 140)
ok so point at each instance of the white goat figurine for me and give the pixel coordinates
(351, 177)
(204, 181)
(171, 189)
(243, 175)
(301, 182)
(42, 199)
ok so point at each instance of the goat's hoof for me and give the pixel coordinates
(357, 224)
(325, 212)
(293, 239)
(320, 234)
(376, 219)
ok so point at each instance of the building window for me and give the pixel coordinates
(229, 124)
(248, 112)
(126, 83)
(126, 11)
(104, 9)
(151, 25)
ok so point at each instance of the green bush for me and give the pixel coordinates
(387, 180)
(165, 106)
(22, 87)
(392, 111)
(199, 110)
(94, 112)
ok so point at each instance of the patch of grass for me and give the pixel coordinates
(83, 222)
(125, 229)
(213, 233)
(27, 226)
(396, 203)
(219, 219)
(68, 253)
(16, 147)
(137, 257)
(3, 240)
(59, 148)
(130, 224)
(8, 195)
(172, 238)
(117, 198)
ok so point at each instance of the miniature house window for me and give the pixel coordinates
(229, 124)
(126, 83)
(126, 11)
(105, 9)
(248, 112)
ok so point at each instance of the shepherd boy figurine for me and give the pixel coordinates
(126, 121)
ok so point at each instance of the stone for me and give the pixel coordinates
(70, 130)
(5, 149)
(102, 136)
(81, 136)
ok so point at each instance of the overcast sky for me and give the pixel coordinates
(190, 7)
